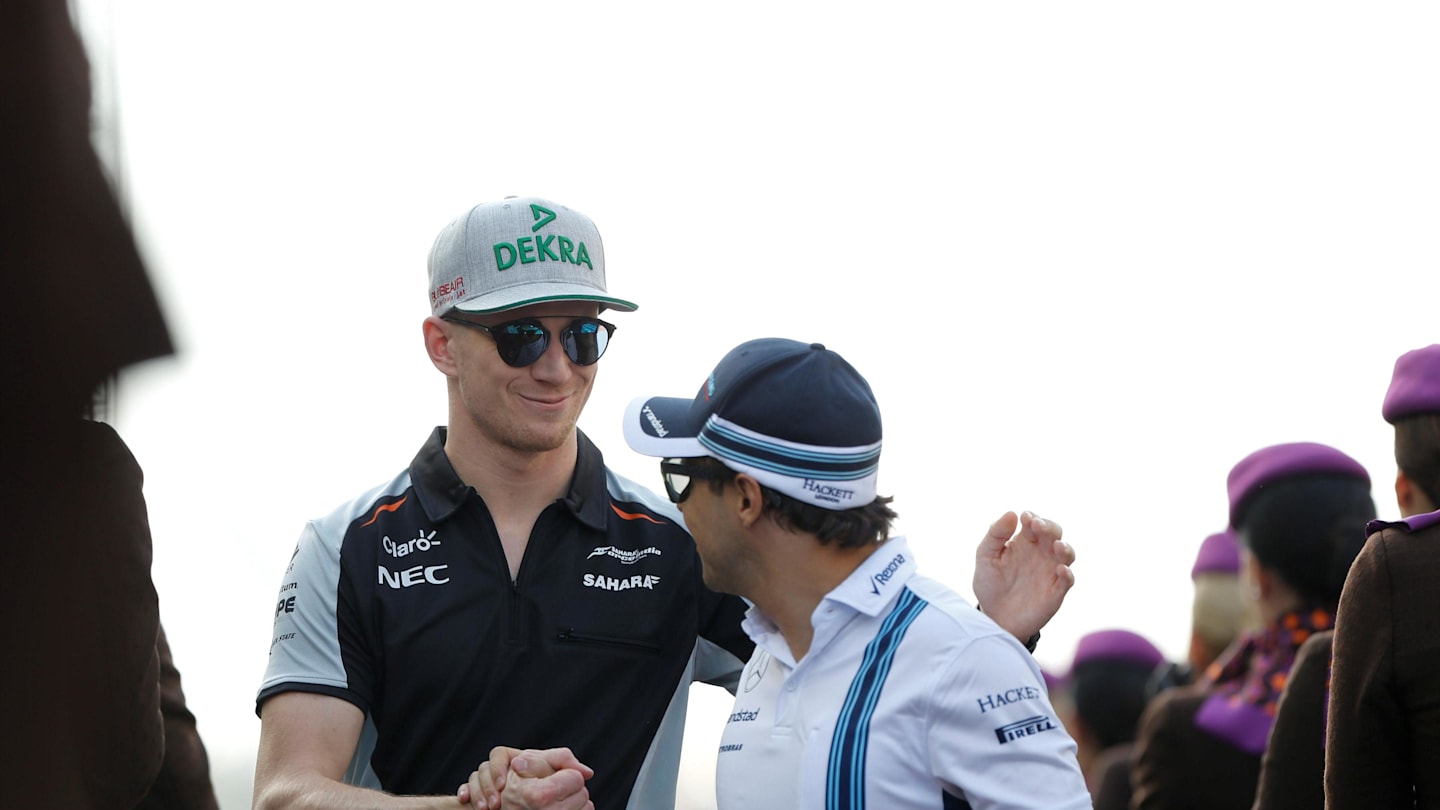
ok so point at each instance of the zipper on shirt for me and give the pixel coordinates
(572, 635)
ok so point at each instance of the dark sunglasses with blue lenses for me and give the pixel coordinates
(680, 476)
(521, 342)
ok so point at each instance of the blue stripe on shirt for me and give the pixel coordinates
(845, 777)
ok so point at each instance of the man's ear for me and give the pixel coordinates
(751, 500)
(437, 345)
(1405, 494)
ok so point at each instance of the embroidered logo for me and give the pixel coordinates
(605, 583)
(624, 555)
(404, 549)
(757, 673)
(551, 247)
(1007, 697)
(1028, 727)
(884, 576)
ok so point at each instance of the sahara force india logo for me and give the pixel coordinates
(551, 247)
(624, 555)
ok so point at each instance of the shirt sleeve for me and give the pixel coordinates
(994, 737)
(311, 616)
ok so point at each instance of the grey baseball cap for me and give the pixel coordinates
(517, 252)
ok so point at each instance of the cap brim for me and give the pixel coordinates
(529, 294)
(660, 427)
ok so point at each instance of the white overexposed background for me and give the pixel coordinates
(1088, 254)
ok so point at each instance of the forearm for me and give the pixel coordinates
(313, 791)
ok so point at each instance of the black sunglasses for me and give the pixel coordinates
(521, 342)
(680, 477)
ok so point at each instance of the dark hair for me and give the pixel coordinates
(1109, 696)
(847, 528)
(1308, 530)
(1417, 452)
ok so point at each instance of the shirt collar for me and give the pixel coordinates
(442, 493)
(1414, 523)
(878, 580)
(870, 589)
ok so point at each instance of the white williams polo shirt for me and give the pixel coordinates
(909, 697)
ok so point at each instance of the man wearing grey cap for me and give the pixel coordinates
(507, 588)
(1383, 729)
(870, 685)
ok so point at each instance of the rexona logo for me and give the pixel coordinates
(419, 575)
(624, 555)
(549, 247)
(1028, 727)
(884, 576)
(621, 583)
(422, 543)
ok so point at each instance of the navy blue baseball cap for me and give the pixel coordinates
(795, 416)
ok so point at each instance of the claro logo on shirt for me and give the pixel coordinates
(405, 548)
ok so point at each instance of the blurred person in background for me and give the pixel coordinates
(1218, 613)
(1298, 511)
(1383, 733)
(93, 713)
(1108, 686)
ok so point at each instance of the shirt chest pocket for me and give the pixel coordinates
(625, 611)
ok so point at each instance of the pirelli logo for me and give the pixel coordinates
(1028, 727)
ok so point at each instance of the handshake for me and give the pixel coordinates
(528, 780)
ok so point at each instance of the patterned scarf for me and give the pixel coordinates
(1245, 684)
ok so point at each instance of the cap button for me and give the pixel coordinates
(818, 346)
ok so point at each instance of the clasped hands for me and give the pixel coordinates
(1021, 578)
(530, 779)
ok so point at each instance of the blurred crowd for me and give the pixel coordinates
(1310, 680)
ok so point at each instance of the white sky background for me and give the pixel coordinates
(1089, 255)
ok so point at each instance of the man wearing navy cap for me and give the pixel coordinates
(1383, 733)
(870, 685)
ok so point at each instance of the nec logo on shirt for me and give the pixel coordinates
(1028, 727)
(419, 575)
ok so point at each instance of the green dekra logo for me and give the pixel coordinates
(550, 247)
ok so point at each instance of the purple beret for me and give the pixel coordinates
(1116, 645)
(1219, 554)
(1415, 385)
(1278, 462)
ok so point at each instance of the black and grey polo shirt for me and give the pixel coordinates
(401, 603)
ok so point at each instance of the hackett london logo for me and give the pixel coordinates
(828, 492)
(538, 248)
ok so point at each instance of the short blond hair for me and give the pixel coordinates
(1218, 614)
